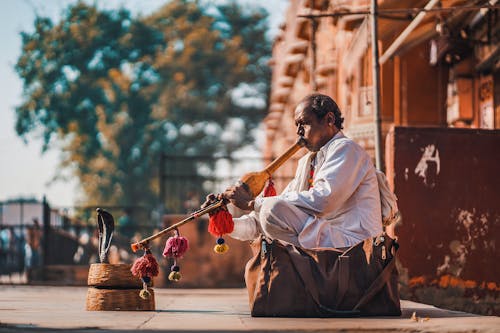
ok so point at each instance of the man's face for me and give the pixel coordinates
(316, 132)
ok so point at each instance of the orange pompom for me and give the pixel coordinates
(134, 247)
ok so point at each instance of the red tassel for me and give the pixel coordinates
(220, 222)
(145, 266)
(269, 190)
(175, 246)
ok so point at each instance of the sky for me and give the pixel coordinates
(24, 171)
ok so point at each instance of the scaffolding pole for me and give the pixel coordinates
(376, 86)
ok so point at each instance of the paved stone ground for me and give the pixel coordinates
(60, 309)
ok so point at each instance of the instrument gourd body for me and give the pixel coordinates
(255, 181)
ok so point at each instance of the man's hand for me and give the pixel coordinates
(239, 196)
(209, 200)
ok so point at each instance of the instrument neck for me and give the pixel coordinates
(274, 165)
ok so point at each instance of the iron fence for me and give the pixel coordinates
(186, 180)
(34, 235)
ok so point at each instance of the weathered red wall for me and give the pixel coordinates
(450, 203)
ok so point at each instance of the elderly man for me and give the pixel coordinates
(333, 201)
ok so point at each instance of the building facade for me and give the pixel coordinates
(438, 67)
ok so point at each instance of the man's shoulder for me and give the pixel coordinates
(343, 141)
(348, 145)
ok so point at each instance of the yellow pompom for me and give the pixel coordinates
(144, 294)
(221, 248)
(174, 276)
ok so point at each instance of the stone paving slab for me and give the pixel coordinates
(41, 308)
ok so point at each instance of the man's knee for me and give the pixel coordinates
(272, 215)
(272, 207)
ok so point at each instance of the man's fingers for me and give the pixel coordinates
(209, 199)
(243, 193)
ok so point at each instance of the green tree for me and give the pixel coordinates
(116, 91)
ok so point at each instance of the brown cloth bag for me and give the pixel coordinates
(287, 281)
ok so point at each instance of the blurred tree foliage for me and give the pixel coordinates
(116, 90)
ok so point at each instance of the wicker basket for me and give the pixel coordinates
(99, 299)
(112, 287)
(115, 276)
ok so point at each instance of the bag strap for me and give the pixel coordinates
(304, 270)
(380, 281)
(305, 273)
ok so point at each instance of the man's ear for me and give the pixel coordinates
(330, 118)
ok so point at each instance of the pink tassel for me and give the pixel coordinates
(176, 246)
(145, 266)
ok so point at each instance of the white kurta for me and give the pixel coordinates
(341, 209)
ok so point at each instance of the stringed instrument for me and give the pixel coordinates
(254, 182)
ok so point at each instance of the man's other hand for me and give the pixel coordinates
(239, 196)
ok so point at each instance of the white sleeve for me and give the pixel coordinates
(246, 227)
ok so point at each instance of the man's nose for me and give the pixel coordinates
(300, 131)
